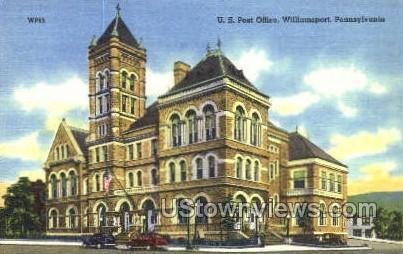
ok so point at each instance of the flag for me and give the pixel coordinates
(107, 180)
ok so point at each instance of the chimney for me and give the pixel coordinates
(180, 71)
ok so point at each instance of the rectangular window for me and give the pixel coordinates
(107, 103)
(331, 182)
(132, 104)
(97, 158)
(100, 111)
(139, 152)
(124, 103)
(153, 147)
(299, 179)
(323, 181)
(131, 152)
(105, 152)
(339, 180)
(357, 232)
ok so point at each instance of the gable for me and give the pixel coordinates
(68, 142)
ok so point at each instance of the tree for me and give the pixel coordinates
(395, 229)
(19, 211)
(381, 222)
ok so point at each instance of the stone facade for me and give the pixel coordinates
(208, 139)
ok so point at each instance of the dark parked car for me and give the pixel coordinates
(148, 240)
(100, 240)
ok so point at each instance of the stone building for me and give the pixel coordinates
(207, 140)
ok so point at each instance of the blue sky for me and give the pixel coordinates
(340, 83)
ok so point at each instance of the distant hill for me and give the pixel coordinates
(388, 200)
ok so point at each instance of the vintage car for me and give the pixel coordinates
(99, 240)
(147, 241)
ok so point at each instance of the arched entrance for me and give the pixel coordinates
(150, 216)
(240, 215)
(125, 217)
(255, 217)
(101, 216)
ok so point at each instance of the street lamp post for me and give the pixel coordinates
(288, 227)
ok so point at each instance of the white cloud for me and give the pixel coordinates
(54, 99)
(25, 148)
(158, 83)
(377, 88)
(254, 62)
(331, 84)
(294, 104)
(336, 81)
(346, 110)
(302, 130)
(363, 143)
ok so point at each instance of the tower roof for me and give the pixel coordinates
(214, 65)
(301, 148)
(118, 28)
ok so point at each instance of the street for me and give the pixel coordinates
(28, 249)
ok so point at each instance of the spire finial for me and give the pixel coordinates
(218, 42)
(117, 9)
(208, 49)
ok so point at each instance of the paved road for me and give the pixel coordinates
(20, 249)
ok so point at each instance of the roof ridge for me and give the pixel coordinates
(77, 128)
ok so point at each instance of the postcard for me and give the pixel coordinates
(207, 126)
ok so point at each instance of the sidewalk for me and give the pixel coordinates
(269, 248)
(375, 240)
(39, 242)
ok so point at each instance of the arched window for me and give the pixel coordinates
(255, 130)
(73, 183)
(53, 219)
(209, 122)
(322, 214)
(248, 174)
(101, 214)
(335, 215)
(154, 177)
(133, 80)
(256, 172)
(71, 216)
(183, 211)
(172, 172)
(139, 178)
(192, 126)
(131, 179)
(182, 166)
(211, 166)
(176, 131)
(106, 79)
(199, 168)
(240, 120)
(124, 79)
(63, 180)
(239, 168)
(201, 217)
(97, 183)
(53, 185)
(100, 79)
